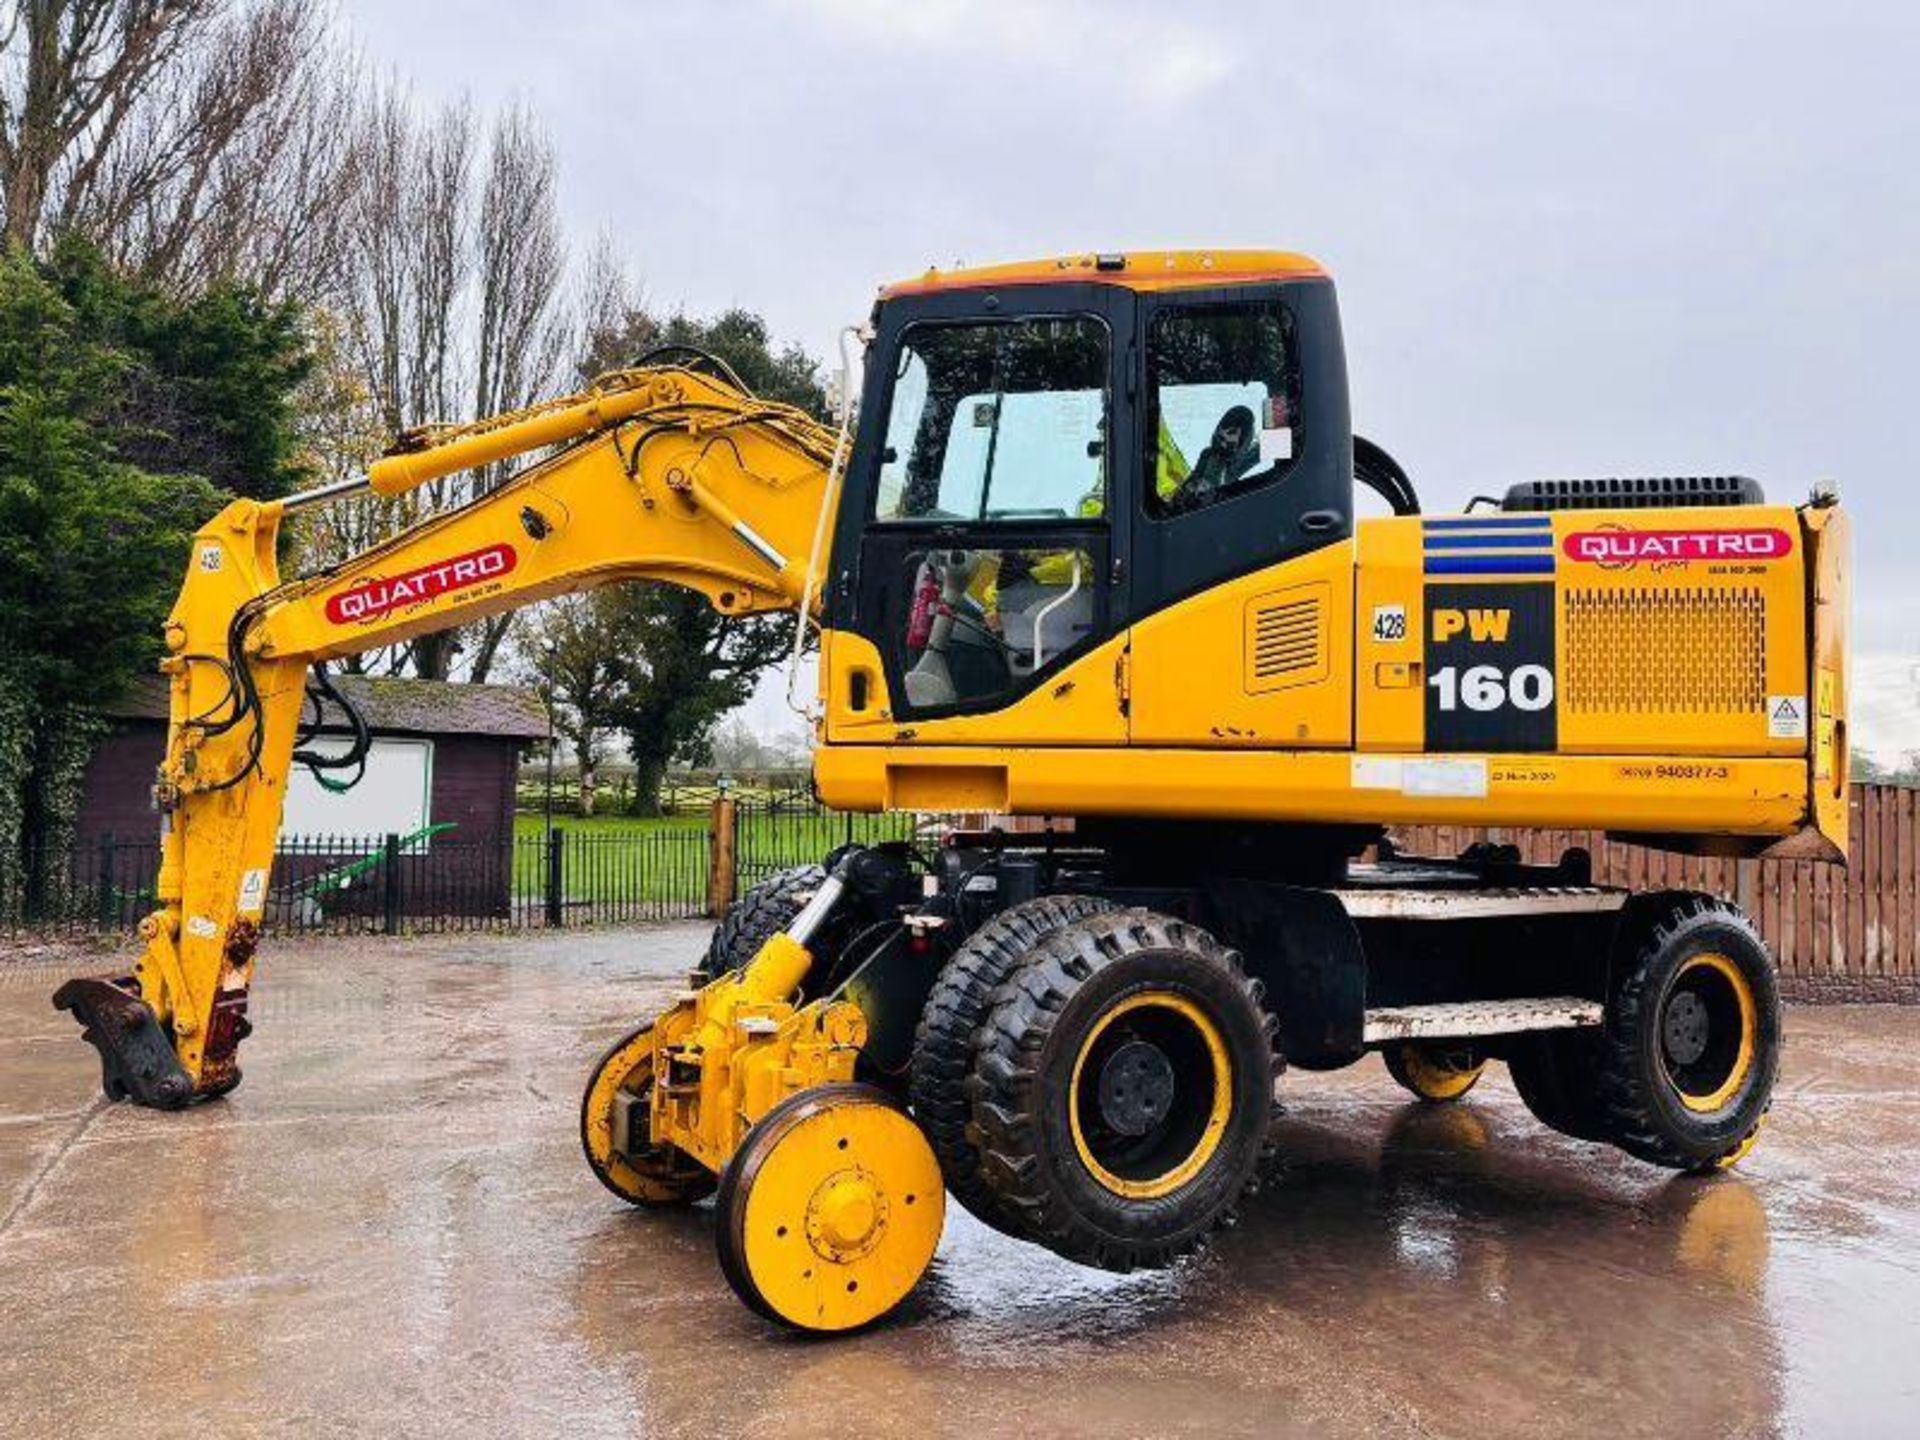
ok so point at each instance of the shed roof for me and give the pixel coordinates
(391, 705)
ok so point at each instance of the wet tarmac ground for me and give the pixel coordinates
(389, 1229)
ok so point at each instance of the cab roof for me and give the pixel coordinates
(1131, 269)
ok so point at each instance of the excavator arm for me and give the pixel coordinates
(655, 475)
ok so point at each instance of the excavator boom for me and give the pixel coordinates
(656, 469)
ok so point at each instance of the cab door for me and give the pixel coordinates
(1243, 558)
(984, 588)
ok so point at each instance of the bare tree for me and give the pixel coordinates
(523, 333)
(193, 140)
(455, 308)
(73, 73)
(573, 657)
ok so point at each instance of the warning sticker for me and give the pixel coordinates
(253, 892)
(1786, 717)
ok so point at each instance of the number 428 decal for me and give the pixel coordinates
(1487, 688)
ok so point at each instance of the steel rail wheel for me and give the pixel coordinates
(830, 1210)
(1438, 1071)
(1692, 1037)
(652, 1176)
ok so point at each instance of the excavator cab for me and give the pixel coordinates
(1047, 455)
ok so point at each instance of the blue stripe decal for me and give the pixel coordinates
(1507, 540)
(1489, 522)
(1489, 565)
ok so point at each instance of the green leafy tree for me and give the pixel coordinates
(739, 337)
(207, 385)
(97, 376)
(574, 657)
(690, 666)
(1868, 770)
(684, 665)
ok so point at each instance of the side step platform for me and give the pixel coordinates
(1470, 1018)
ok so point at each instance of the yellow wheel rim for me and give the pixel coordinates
(1176, 1147)
(1745, 1148)
(834, 1213)
(1436, 1073)
(662, 1176)
(1708, 1023)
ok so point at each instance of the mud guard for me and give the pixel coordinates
(891, 986)
(137, 1062)
(1302, 946)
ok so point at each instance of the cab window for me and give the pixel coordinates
(1222, 404)
(1003, 421)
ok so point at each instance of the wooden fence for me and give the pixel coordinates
(1841, 933)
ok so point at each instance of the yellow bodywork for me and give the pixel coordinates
(1668, 671)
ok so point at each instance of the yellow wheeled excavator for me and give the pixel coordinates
(1090, 553)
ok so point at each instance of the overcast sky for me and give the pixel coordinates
(1570, 239)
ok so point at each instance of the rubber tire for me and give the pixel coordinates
(944, 1046)
(1645, 1116)
(1557, 1073)
(1022, 1075)
(756, 916)
(1395, 1058)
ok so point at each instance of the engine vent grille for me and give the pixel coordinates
(1286, 639)
(1633, 492)
(1671, 650)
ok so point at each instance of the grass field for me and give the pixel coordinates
(659, 866)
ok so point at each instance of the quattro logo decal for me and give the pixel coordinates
(371, 599)
(1617, 549)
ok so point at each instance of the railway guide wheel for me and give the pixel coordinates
(1436, 1071)
(830, 1210)
(655, 1177)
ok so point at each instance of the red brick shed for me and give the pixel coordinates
(444, 756)
(473, 737)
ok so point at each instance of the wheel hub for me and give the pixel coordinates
(1136, 1088)
(846, 1216)
(1685, 1030)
